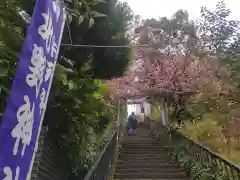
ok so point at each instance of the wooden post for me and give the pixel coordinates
(164, 114)
(126, 110)
(118, 119)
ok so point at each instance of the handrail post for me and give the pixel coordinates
(104, 162)
(164, 114)
(118, 119)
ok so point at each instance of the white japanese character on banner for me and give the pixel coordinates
(56, 8)
(9, 174)
(43, 102)
(47, 33)
(49, 71)
(54, 49)
(38, 62)
(23, 130)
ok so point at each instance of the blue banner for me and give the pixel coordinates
(26, 106)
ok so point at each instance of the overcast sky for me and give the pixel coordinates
(159, 8)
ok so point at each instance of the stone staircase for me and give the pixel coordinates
(144, 158)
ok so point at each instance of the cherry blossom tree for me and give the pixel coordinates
(170, 68)
(164, 69)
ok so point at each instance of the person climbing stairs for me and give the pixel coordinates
(142, 157)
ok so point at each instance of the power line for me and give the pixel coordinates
(111, 46)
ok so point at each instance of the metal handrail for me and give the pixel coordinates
(102, 168)
(201, 153)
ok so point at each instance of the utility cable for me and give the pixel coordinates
(112, 46)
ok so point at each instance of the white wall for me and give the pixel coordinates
(131, 108)
(136, 108)
(147, 109)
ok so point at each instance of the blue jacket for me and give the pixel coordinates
(132, 122)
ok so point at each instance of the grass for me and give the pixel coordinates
(156, 112)
(209, 133)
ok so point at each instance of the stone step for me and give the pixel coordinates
(150, 179)
(143, 151)
(139, 175)
(148, 170)
(144, 158)
(138, 142)
(141, 141)
(136, 145)
(143, 148)
(143, 155)
(146, 165)
(146, 145)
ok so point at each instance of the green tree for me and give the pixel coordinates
(78, 111)
(170, 33)
(216, 30)
(11, 39)
(222, 37)
(110, 30)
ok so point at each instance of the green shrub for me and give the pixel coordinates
(194, 169)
